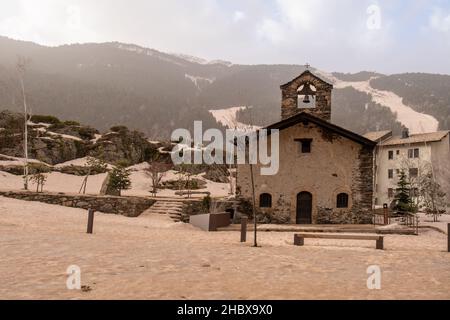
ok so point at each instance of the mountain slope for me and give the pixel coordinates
(109, 84)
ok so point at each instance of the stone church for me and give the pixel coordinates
(326, 172)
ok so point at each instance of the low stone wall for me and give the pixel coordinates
(126, 206)
(328, 216)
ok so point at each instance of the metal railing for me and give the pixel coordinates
(408, 219)
(411, 220)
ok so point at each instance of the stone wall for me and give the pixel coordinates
(126, 206)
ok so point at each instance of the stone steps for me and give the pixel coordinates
(162, 207)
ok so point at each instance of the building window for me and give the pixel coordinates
(391, 174)
(413, 172)
(265, 200)
(342, 200)
(305, 145)
(391, 155)
(390, 193)
(413, 153)
(398, 152)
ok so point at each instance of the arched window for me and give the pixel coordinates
(265, 200)
(342, 200)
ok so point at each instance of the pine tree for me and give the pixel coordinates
(120, 179)
(402, 198)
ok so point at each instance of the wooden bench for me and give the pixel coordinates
(299, 238)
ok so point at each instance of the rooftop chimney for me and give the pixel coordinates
(405, 133)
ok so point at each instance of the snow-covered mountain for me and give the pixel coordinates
(110, 84)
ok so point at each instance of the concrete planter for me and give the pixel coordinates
(210, 222)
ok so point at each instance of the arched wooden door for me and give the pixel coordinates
(304, 208)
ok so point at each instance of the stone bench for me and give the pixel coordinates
(299, 238)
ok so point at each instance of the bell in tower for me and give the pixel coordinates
(306, 94)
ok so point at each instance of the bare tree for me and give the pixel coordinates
(422, 170)
(93, 165)
(433, 197)
(22, 64)
(39, 180)
(156, 171)
(185, 177)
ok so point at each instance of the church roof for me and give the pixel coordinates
(378, 136)
(307, 72)
(303, 116)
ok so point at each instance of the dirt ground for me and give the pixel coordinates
(154, 258)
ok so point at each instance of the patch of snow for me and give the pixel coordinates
(442, 224)
(191, 59)
(80, 162)
(416, 122)
(97, 137)
(148, 52)
(15, 161)
(201, 61)
(141, 184)
(198, 80)
(77, 162)
(40, 124)
(56, 182)
(64, 136)
(47, 138)
(162, 151)
(222, 62)
(228, 118)
(139, 167)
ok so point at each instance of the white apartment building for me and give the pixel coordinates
(414, 154)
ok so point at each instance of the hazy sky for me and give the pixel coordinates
(335, 35)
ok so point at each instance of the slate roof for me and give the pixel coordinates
(416, 138)
(378, 136)
(306, 117)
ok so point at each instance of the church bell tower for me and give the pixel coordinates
(306, 93)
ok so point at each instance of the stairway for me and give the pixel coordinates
(173, 209)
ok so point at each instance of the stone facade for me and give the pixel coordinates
(126, 206)
(338, 164)
(289, 102)
(335, 165)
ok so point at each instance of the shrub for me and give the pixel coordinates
(119, 129)
(45, 119)
(206, 203)
(72, 123)
(37, 168)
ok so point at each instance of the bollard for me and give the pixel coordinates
(90, 226)
(244, 221)
(448, 235)
(386, 214)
